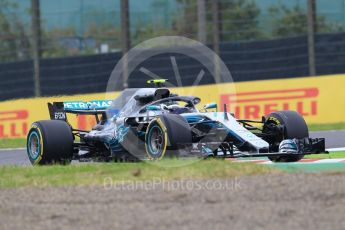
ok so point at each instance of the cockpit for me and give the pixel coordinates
(174, 104)
(133, 102)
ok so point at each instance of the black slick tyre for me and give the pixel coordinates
(166, 135)
(294, 127)
(49, 142)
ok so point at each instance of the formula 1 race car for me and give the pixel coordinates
(152, 123)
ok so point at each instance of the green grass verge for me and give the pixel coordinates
(99, 173)
(324, 127)
(12, 143)
(325, 156)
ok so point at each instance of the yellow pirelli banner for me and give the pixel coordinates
(319, 99)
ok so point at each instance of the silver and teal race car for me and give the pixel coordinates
(153, 123)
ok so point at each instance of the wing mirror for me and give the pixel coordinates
(153, 108)
(212, 105)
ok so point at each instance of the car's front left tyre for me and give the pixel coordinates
(295, 127)
(49, 142)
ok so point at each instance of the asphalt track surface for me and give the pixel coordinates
(334, 139)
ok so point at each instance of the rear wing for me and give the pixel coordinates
(58, 110)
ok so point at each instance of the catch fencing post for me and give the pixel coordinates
(36, 44)
(125, 39)
(215, 25)
(311, 36)
(201, 21)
